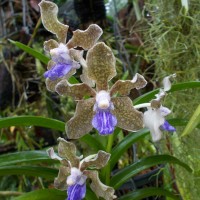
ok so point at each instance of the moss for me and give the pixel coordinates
(172, 43)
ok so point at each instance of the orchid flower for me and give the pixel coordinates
(75, 170)
(65, 58)
(103, 110)
(154, 117)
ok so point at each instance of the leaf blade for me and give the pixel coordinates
(24, 157)
(120, 148)
(47, 123)
(31, 51)
(44, 172)
(147, 192)
(193, 122)
(176, 87)
(49, 194)
(126, 173)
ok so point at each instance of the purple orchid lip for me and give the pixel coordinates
(76, 192)
(167, 127)
(58, 71)
(104, 121)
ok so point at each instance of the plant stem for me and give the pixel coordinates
(137, 10)
(185, 4)
(32, 38)
(110, 143)
(10, 193)
(106, 170)
(108, 150)
(142, 105)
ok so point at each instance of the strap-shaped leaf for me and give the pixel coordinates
(193, 122)
(148, 192)
(126, 173)
(48, 123)
(49, 12)
(176, 87)
(126, 143)
(24, 157)
(50, 194)
(45, 172)
(31, 51)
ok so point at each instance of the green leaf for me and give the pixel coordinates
(193, 122)
(47, 123)
(45, 172)
(73, 80)
(90, 194)
(50, 194)
(24, 157)
(126, 173)
(32, 120)
(131, 138)
(176, 87)
(148, 192)
(33, 52)
(128, 141)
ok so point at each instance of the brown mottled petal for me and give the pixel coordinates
(76, 55)
(85, 79)
(60, 181)
(53, 155)
(81, 123)
(98, 187)
(67, 150)
(101, 65)
(51, 84)
(51, 63)
(97, 161)
(139, 81)
(85, 39)
(50, 44)
(155, 103)
(49, 12)
(124, 87)
(127, 116)
(78, 91)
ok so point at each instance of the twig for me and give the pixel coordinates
(32, 38)
(10, 193)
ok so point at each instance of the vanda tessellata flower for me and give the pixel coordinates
(154, 117)
(106, 108)
(75, 171)
(65, 57)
